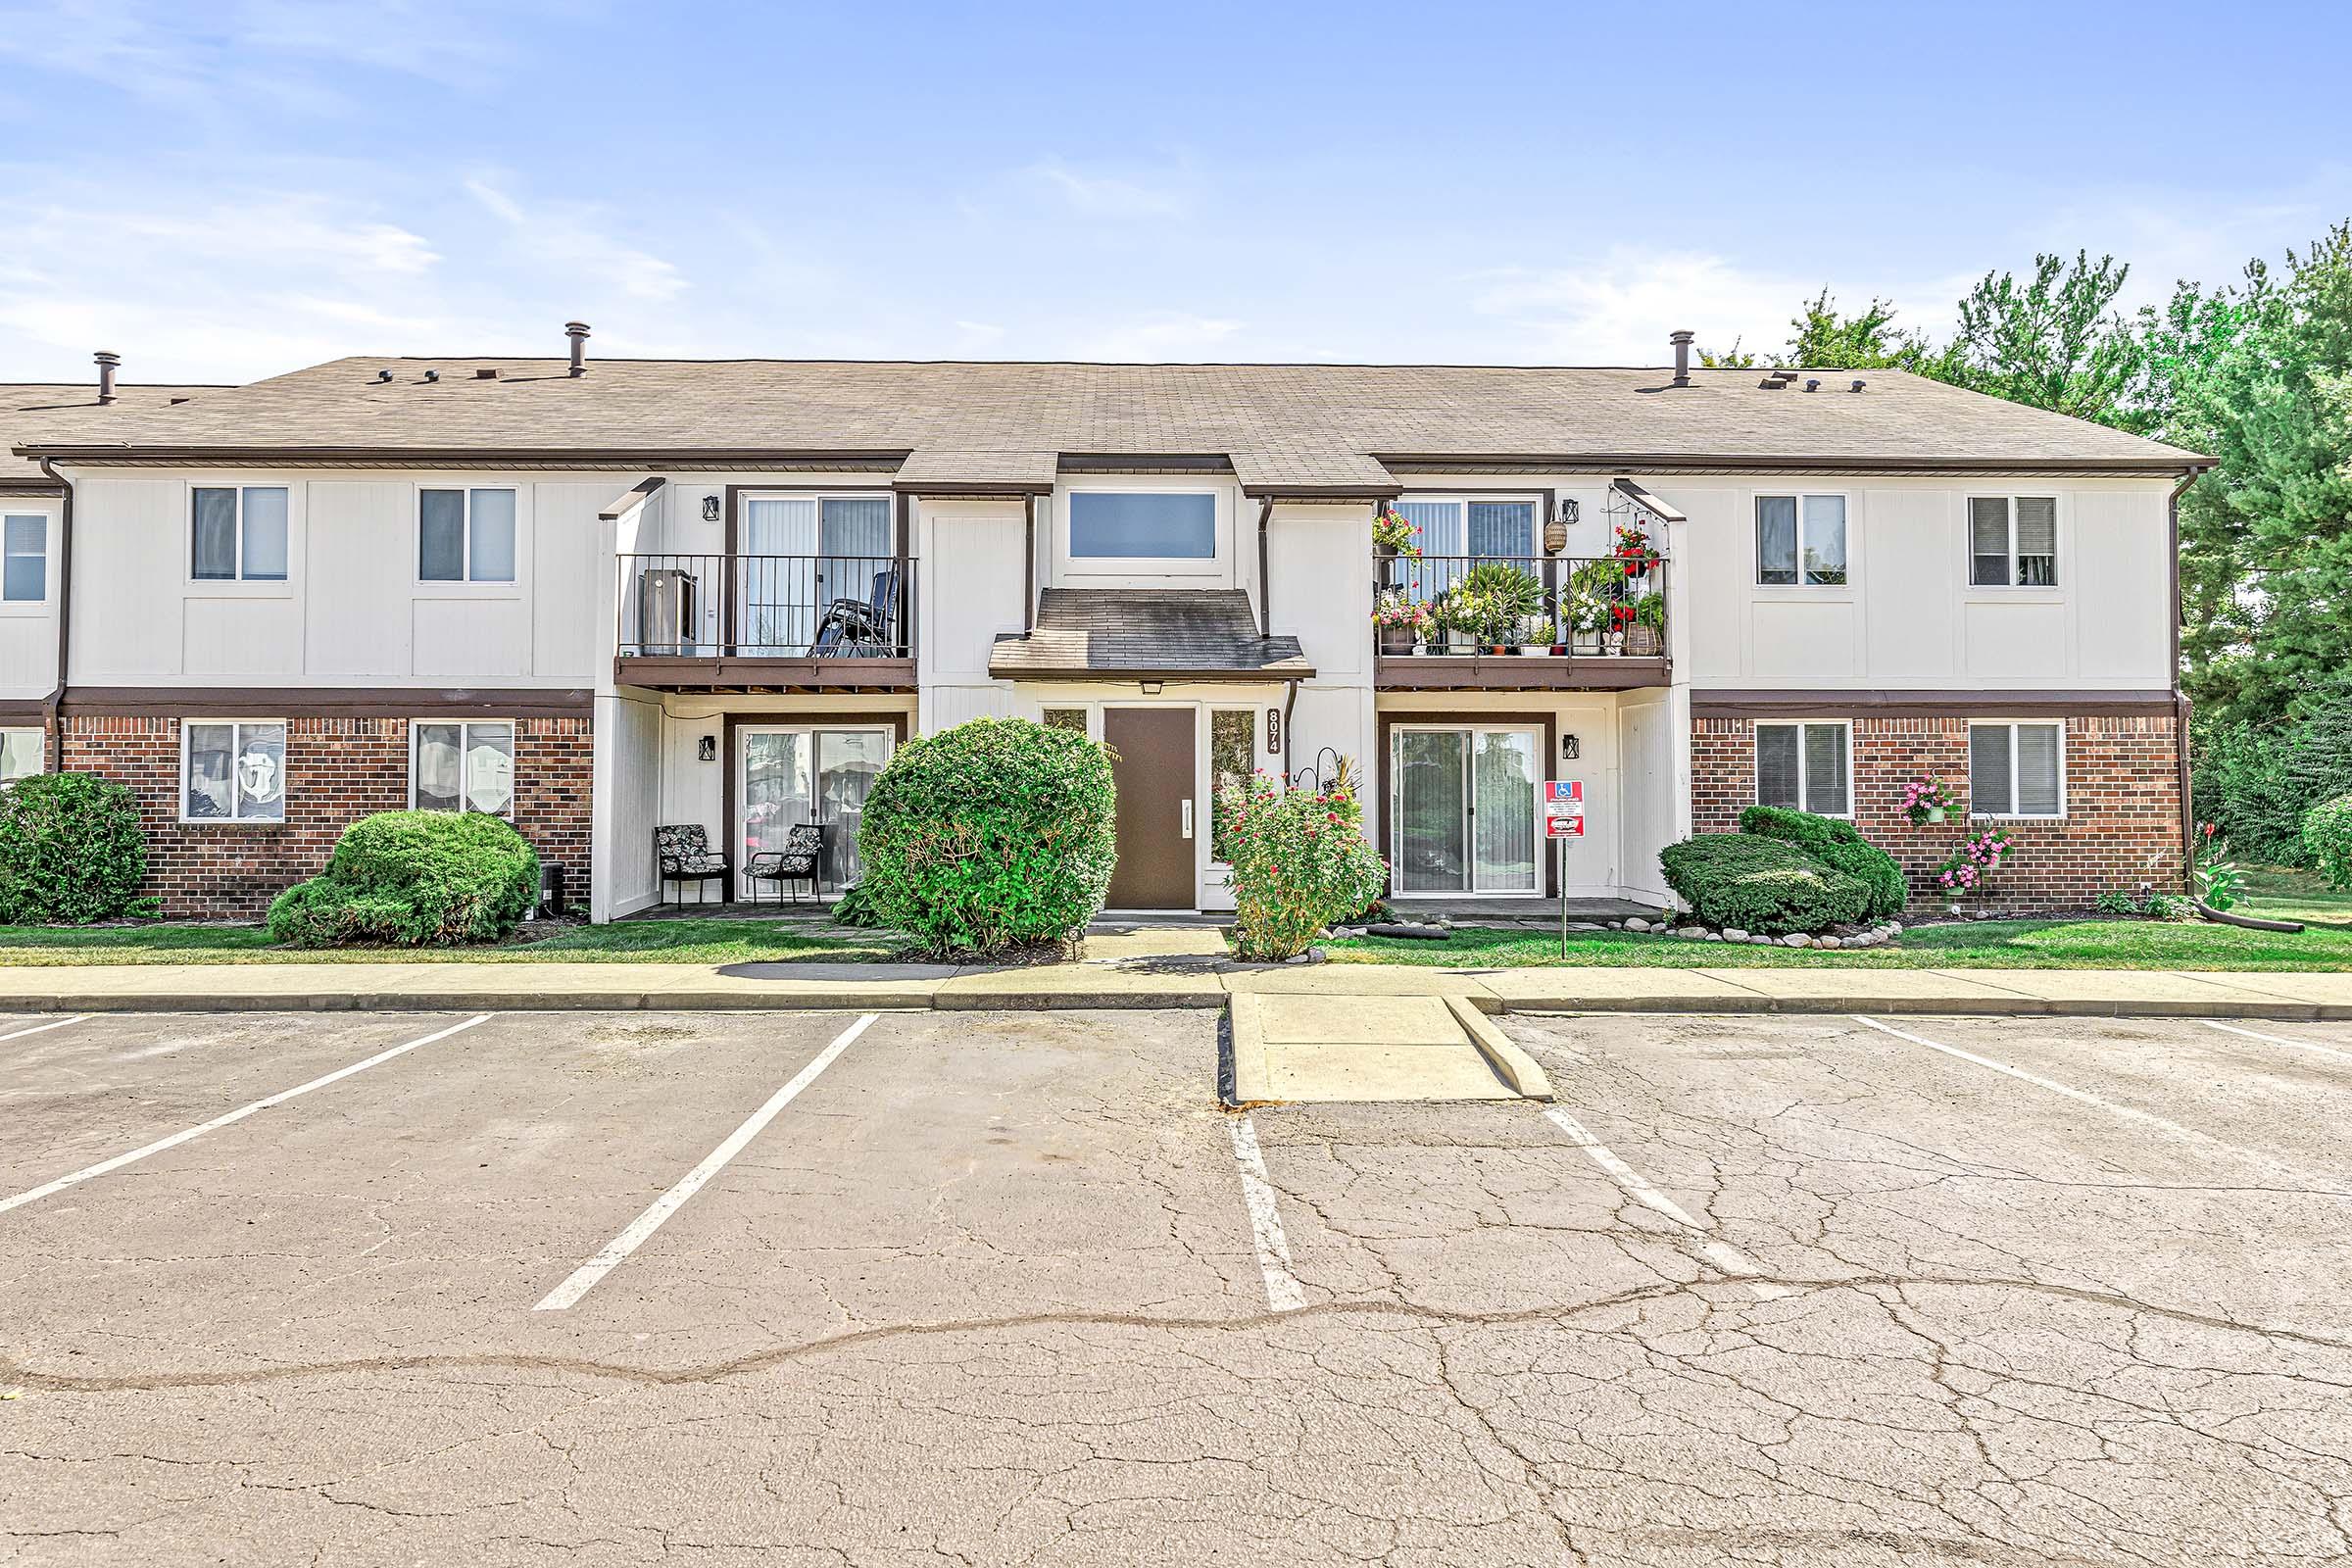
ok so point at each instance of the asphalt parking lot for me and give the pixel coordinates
(1010, 1287)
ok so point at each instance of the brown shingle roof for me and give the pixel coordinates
(1179, 634)
(1294, 418)
(59, 412)
(935, 467)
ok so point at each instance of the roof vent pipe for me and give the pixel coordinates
(107, 361)
(577, 331)
(1681, 357)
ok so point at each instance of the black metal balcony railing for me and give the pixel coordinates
(1467, 605)
(766, 607)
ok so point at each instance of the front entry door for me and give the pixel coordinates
(1153, 774)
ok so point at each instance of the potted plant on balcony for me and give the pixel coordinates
(1588, 617)
(1507, 595)
(1645, 631)
(1460, 612)
(1393, 536)
(1633, 551)
(1535, 638)
(1400, 620)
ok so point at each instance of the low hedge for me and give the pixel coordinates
(1840, 843)
(2327, 840)
(71, 851)
(1765, 885)
(412, 879)
(995, 834)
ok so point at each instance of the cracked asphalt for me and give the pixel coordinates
(1786, 1291)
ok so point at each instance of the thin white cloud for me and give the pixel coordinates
(574, 242)
(1161, 335)
(1109, 195)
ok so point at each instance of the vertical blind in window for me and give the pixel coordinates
(1805, 768)
(2016, 769)
(2013, 543)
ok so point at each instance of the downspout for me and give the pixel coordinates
(1266, 596)
(1028, 566)
(1288, 740)
(53, 705)
(2181, 701)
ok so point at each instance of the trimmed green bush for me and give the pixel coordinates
(412, 879)
(2327, 840)
(855, 907)
(71, 851)
(1765, 885)
(1836, 843)
(998, 833)
(1300, 863)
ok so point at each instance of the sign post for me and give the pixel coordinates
(1563, 820)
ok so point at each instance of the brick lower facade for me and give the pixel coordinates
(2122, 798)
(337, 770)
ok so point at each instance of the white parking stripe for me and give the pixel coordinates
(1283, 1291)
(2127, 1112)
(54, 1023)
(1727, 1258)
(583, 1278)
(237, 1115)
(2280, 1040)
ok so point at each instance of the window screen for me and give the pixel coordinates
(1780, 770)
(27, 569)
(1988, 541)
(1144, 524)
(2036, 541)
(1775, 540)
(441, 535)
(1989, 752)
(213, 546)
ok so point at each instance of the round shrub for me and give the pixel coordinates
(2327, 840)
(995, 834)
(71, 851)
(1759, 884)
(412, 879)
(1300, 863)
(1840, 843)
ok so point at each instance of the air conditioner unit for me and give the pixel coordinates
(665, 610)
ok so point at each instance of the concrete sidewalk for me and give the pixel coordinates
(1169, 981)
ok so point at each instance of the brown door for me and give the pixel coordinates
(1154, 779)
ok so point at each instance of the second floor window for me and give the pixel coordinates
(2012, 541)
(465, 535)
(1143, 524)
(1800, 541)
(1500, 529)
(238, 535)
(26, 576)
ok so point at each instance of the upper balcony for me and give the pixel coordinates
(1521, 622)
(766, 623)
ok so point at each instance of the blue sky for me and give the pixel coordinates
(219, 189)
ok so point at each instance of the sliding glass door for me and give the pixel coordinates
(801, 553)
(791, 774)
(1463, 810)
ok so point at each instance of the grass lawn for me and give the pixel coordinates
(623, 942)
(2096, 944)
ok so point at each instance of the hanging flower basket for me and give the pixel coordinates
(1925, 801)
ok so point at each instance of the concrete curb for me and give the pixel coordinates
(1511, 1064)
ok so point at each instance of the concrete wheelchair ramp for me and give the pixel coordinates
(1321, 1047)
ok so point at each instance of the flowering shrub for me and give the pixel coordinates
(1974, 861)
(1393, 533)
(1300, 861)
(1923, 799)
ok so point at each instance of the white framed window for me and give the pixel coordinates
(2013, 541)
(1807, 768)
(2016, 769)
(1500, 527)
(1800, 541)
(1232, 760)
(1143, 524)
(465, 535)
(232, 770)
(22, 752)
(24, 575)
(237, 533)
(462, 765)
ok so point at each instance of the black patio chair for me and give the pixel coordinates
(799, 861)
(861, 628)
(682, 854)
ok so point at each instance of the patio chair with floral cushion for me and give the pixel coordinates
(796, 861)
(682, 854)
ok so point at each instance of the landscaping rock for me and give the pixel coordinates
(1760, 941)
(1895, 928)
(1692, 933)
(1635, 923)
(1714, 936)
(1832, 943)
(1733, 934)
(1583, 925)
(1796, 938)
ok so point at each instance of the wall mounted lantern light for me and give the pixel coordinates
(1570, 749)
(710, 509)
(707, 749)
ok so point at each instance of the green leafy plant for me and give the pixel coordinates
(71, 851)
(2118, 901)
(1836, 843)
(2175, 908)
(1760, 884)
(1390, 532)
(2219, 883)
(1300, 863)
(415, 879)
(1649, 609)
(854, 907)
(1505, 595)
(2328, 838)
(1542, 632)
(995, 834)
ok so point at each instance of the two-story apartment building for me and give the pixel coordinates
(602, 596)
